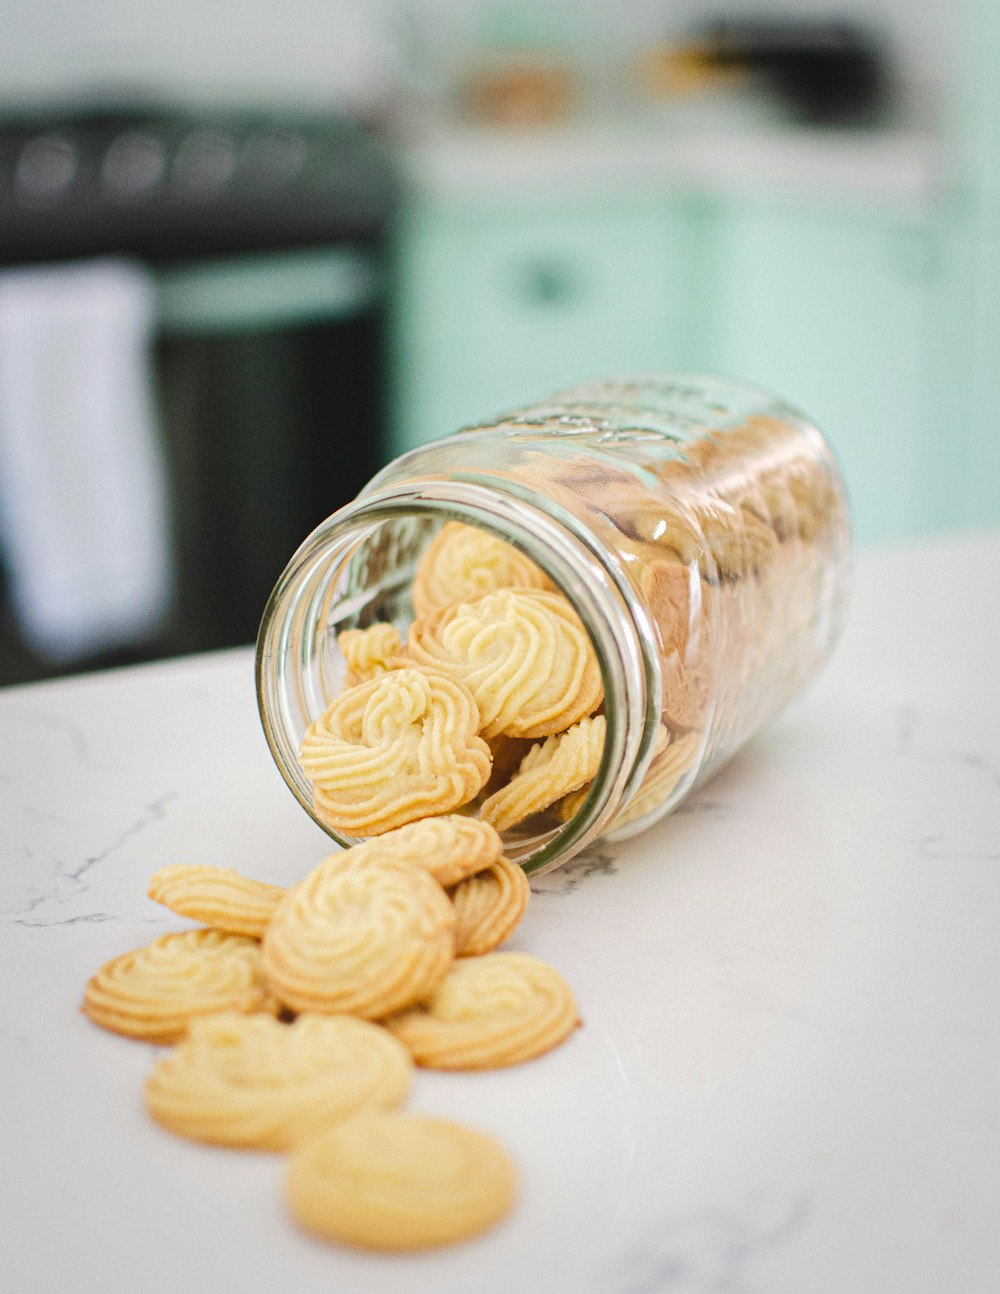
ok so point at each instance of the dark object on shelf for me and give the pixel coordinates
(829, 73)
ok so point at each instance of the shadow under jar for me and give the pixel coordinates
(697, 525)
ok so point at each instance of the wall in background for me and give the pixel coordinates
(354, 50)
(310, 50)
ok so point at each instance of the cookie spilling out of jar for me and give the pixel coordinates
(292, 1020)
(489, 701)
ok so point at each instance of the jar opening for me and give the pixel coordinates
(357, 568)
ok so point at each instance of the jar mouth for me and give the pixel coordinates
(297, 667)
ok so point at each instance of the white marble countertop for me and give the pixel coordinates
(788, 1078)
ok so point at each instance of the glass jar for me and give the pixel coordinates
(697, 525)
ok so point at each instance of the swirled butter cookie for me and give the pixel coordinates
(360, 935)
(216, 896)
(463, 562)
(154, 991)
(238, 1080)
(668, 766)
(489, 907)
(399, 747)
(488, 1012)
(395, 1182)
(368, 653)
(524, 655)
(448, 848)
(549, 771)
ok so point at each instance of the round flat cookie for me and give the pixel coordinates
(554, 768)
(360, 935)
(448, 848)
(369, 652)
(489, 907)
(238, 1080)
(399, 1182)
(489, 1011)
(154, 991)
(216, 896)
(524, 655)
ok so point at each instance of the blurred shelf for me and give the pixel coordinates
(450, 161)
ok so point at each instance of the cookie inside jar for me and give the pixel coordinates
(622, 583)
(449, 599)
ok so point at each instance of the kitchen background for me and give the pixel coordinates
(249, 252)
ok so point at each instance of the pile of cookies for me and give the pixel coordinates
(296, 1016)
(490, 706)
(734, 540)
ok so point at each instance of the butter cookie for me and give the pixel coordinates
(550, 770)
(489, 907)
(154, 991)
(216, 896)
(396, 1182)
(448, 848)
(238, 1080)
(397, 748)
(524, 655)
(361, 935)
(369, 652)
(488, 1012)
(667, 767)
(463, 562)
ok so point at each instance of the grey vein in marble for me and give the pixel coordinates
(71, 882)
(32, 718)
(708, 1251)
(599, 860)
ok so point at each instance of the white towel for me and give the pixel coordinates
(84, 530)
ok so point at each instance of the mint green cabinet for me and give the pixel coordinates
(496, 307)
(834, 309)
(858, 313)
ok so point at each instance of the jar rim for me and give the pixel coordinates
(578, 562)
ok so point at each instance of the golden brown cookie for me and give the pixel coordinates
(463, 562)
(216, 896)
(397, 748)
(550, 770)
(687, 687)
(449, 848)
(369, 652)
(154, 991)
(669, 764)
(570, 804)
(667, 588)
(395, 1182)
(524, 655)
(489, 907)
(488, 1012)
(799, 496)
(360, 935)
(238, 1080)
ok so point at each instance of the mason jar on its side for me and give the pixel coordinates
(697, 525)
